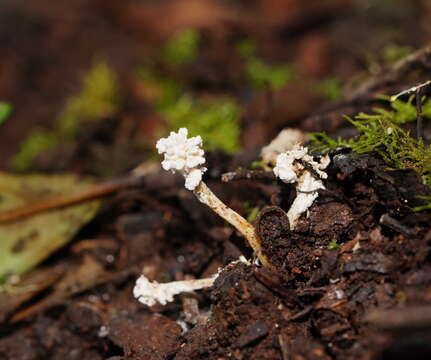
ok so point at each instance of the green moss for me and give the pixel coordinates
(329, 88)
(161, 90)
(320, 141)
(217, 121)
(5, 111)
(261, 74)
(99, 97)
(381, 132)
(257, 165)
(423, 207)
(392, 53)
(333, 245)
(246, 48)
(38, 142)
(251, 211)
(182, 48)
(400, 113)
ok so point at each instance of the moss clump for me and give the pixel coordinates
(423, 207)
(5, 111)
(162, 91)
(261, 74)
(251, 211)
(217, 121)
(182, 49)
(246, 49)
(333, 245)
(98, 98)
(330, 88)
(392, 53)
(38, 142)
(381, 133)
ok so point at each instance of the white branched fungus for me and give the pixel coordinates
(151, 292)
(297, 166)
(187, 157)
(183, 155)
(284, 141)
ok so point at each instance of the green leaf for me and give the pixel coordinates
(28, 241)
(5, 110)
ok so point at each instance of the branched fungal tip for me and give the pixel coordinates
(184, 155)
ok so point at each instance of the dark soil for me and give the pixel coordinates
(352, 281)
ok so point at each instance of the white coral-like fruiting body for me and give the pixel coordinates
(290, 169)
(184, 155)
(286, 140)
(151, 292)
(187, 157)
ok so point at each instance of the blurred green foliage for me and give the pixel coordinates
(216, 120)
(98, 98)
(423, 207)
(182, 48)
(330, 88)
(392, 53)
(261, 74)
(246, 48)
(5, 111)
(160, 90)
(36, 143)
(333, 245)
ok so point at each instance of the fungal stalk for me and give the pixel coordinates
(186, 156)
(297, 166)
(151, 292)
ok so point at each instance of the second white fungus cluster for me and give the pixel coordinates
(297, 166)
(183, 155)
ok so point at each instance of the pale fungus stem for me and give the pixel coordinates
(186, 156)
(207, 197)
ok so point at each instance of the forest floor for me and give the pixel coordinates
(351, 281)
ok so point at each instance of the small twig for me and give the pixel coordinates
(397, 226)
(419, 114)
(284, 347)
(301, 314)
(94, 192)
(414, 89)
(245, 174)
(418, 59)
